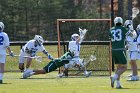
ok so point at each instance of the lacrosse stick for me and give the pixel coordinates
(86, 62)
(37, 58)
(135, 12)
(91, 59)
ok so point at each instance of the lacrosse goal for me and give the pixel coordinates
(96, 43)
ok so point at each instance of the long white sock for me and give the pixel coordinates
(1, 76)
(118, 83)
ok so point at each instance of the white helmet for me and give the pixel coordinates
(138, 28)
(118, 20)
(39, 39)
(128, 22)
(74, 37)
(1, 26)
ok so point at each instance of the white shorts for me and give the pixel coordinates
(138, 56)
(21, 57)
(74, 62)
(2, 58)
(132, 55)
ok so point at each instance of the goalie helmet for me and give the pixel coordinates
(118, 20)
(74, 37)
(1, 26)
(138, 29)
(128, 22)
(39, 39)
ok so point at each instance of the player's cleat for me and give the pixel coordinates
(88, 73)
(130, 75)
(60, 75)
(112, 81)
(1, 82)
(119, 87)
(133, 78)
(27, 74)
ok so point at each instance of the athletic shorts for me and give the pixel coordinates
(132, 55)
(50, 67)
(119, 57)
(2, 58)
(21, 57)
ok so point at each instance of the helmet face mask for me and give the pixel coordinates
(74, 37)
(39, 39)
(1, 26)
(128, 22)
(118, 20)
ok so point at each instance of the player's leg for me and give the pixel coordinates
(121, 67)
(133, 64)
(21, 61)
(2, 65)
(29, 61)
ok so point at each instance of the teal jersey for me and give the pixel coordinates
(117, 36)
(54, 64)
(64, 59)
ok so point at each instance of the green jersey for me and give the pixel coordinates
(56, 63)
(117, 35)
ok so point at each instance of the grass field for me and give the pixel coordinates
(49, 83)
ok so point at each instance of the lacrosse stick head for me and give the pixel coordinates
(92, 58)
(82, 32)
(135, 11)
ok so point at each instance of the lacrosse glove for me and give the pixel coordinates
(50, 57)
(12, 54)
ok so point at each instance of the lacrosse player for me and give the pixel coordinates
(74, 45)
(51, 66)
(4, 44)
(30, 49)
(117, 35)
(131, 46)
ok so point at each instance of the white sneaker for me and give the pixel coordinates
(27, 74)
(133, 78)
(130, 75)
(119, 87)
(88, 73)
(60, 75)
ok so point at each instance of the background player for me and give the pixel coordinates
(4, 44)
(131, 46)
(30, 49)
(117, 34)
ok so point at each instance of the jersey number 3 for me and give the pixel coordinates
(1, 40)
(116, 35)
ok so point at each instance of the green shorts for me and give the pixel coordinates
(119, 57)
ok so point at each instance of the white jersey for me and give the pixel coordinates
(131, 43)
(31, 46)
(76, 47)
(4, 42)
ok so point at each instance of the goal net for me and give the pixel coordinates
(96, 42)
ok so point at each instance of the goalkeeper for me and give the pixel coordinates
(51, 66)
(30, 49)
(74, 45)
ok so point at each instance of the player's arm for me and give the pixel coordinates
(49, 55)
(7, 45)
